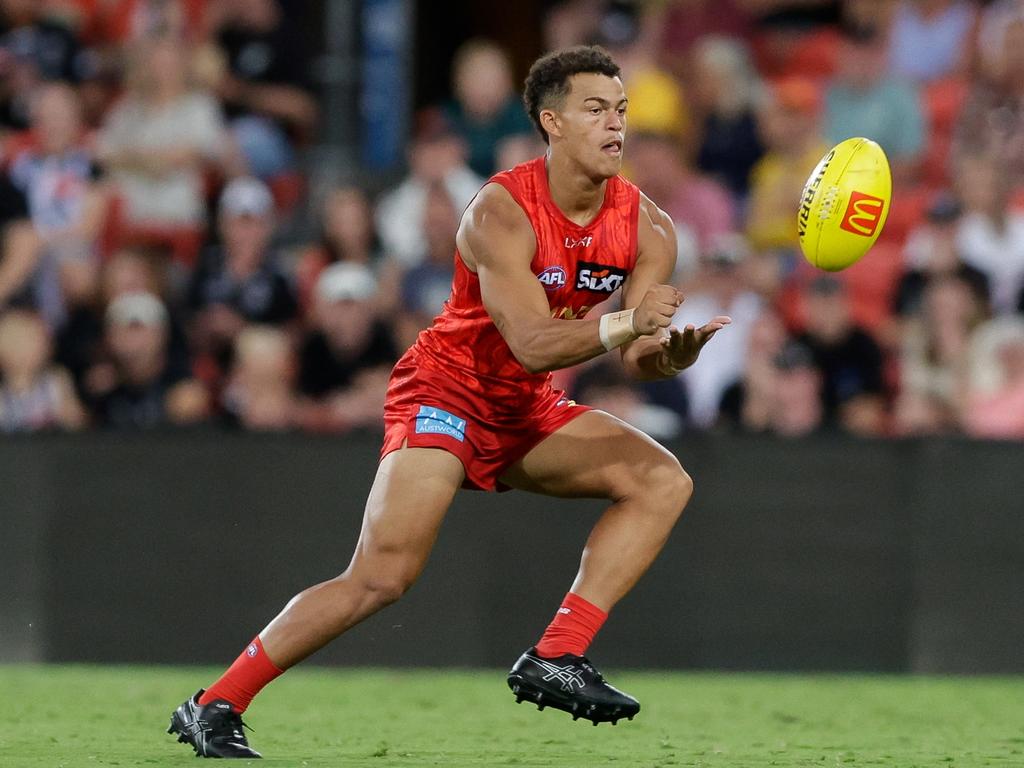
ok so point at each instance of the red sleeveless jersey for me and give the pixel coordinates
(578, 267)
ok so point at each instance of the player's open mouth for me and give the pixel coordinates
(613, 147)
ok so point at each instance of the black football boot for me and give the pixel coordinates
(570, 683)
(213, 730)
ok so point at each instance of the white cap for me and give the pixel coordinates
(246, 196)
(137, 308)
(346, 281)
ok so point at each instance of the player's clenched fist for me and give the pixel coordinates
(656, 309)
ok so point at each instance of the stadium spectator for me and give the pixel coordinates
(656, 98)
(137, 387)
(437, 154)
(35, 48)
(996, 17)
(35, 394)
(725, 91)
(683, 25)
(239, 281)
(849, 359)
(992, 119)
(796, 408)
(990, 236)
(158, 141)
(700, 207)
(788, 123)
(931, 253)
(934, 357)
(20, 248)
(265, 82)
(111, 24)
(259, 394)
(486, 108)
(67, 204)
(347, 234)
(81, 337)
(571, 22)
(749, 403)
(994, 404)
(931, 39)
(513, 150)
(863, 100)
(426, 287)
(718, 290)
(346, 358)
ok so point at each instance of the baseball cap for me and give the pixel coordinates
(246, 196)
(137, 309)
(346, 282)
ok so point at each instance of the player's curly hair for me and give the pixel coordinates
(548, 81)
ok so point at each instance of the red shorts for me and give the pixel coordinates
(426, 409)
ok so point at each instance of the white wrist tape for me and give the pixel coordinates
(616, 328)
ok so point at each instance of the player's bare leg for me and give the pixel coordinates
(410, 495)
(597, 456)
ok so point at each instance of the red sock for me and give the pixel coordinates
(572, 629)
(244, 679)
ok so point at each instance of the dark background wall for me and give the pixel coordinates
(818, 554)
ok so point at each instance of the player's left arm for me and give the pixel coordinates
(660, 356)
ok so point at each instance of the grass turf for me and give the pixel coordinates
(101, 716)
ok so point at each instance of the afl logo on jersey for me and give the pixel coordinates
(552, 278)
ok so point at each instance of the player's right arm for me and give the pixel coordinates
(496, 240)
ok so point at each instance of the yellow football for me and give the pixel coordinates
(844, 204)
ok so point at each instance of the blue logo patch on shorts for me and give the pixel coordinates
(431, 420)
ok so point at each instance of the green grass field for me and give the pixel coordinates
(101, 716)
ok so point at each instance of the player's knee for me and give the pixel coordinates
(668, 482)
(384, 589)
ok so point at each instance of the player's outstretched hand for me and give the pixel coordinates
(682, 347)
(656, 309)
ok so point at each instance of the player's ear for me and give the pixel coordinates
(551, 123)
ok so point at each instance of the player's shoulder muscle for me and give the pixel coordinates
(654, 222)
(494, 226)
(657, 234)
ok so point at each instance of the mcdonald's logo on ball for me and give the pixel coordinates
(862, 214)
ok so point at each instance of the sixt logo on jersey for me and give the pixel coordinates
(599, 277)
(552, 278)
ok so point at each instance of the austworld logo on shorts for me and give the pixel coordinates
(434, 421)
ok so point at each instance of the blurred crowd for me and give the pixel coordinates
(152, 158)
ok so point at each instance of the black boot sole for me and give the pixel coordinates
(526, 690)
